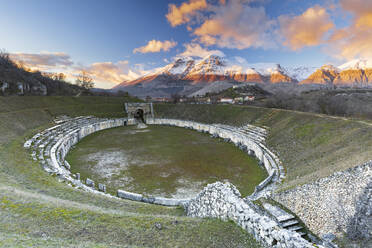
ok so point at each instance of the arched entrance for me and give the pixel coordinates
(139, 115)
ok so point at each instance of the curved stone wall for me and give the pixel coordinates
(51, 146)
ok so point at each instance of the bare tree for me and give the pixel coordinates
(84, 80)
(59, 76)
(175, 98)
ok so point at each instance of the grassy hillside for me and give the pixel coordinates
(33, 81)
(310, 146)
(38, 211)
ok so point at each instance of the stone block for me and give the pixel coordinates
(102, 187)
(89, 182)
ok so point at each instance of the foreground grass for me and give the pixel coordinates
(165, 161)
(36, 210)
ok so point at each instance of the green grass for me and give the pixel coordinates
(162, 161)
(36, 210)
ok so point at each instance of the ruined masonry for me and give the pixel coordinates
(217, 200)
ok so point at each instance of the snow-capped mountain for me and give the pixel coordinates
(355, 72)
(356, 64)
(186, 75)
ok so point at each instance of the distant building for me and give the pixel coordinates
(249, 98)
(162, 99)
(238, 99)
(227, 100)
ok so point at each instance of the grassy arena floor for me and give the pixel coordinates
(163, 161)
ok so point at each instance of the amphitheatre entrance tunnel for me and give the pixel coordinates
(139, 111)
(139, 115)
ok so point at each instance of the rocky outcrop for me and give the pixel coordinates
(352, 77)
(347, 76)
(279, 77)
(325, 75)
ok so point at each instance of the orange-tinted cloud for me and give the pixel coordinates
(108, 74)
(354, 41)
(108, 71)
(154, 46)
(307, 29)
(42, 61)
(182, 14)
(236, 24)
(195, 50)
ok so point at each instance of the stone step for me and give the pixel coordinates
(285, 218)
(289, 223)
(302, 233)
(294, 228)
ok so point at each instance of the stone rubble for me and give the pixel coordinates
(223, 200)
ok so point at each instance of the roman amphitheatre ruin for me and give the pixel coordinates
(242, 175)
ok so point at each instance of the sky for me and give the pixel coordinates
(120, 40)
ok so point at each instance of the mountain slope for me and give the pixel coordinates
(325, 75)
(353, 73)
(18, 80)
(186, 76)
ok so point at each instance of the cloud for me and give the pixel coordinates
(354, 41)
(195, 50)
(183, 14)
(230, 24)
(108, 71)
(108, 74)
(240, 60)
(43, 60)
(155, 46)
(104, 74)
(307, 29)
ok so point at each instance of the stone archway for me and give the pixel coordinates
(139, 115)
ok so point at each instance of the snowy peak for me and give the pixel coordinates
(329, 67)
(210, 65)
(186, 73)
(355, 72)
(356, 64)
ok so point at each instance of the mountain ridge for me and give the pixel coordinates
(185, 76)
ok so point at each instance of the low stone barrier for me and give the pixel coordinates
(223, 200)
(154, 200)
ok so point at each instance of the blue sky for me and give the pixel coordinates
(89, 32)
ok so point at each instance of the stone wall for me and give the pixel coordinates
(329, 205)
(223, 200)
